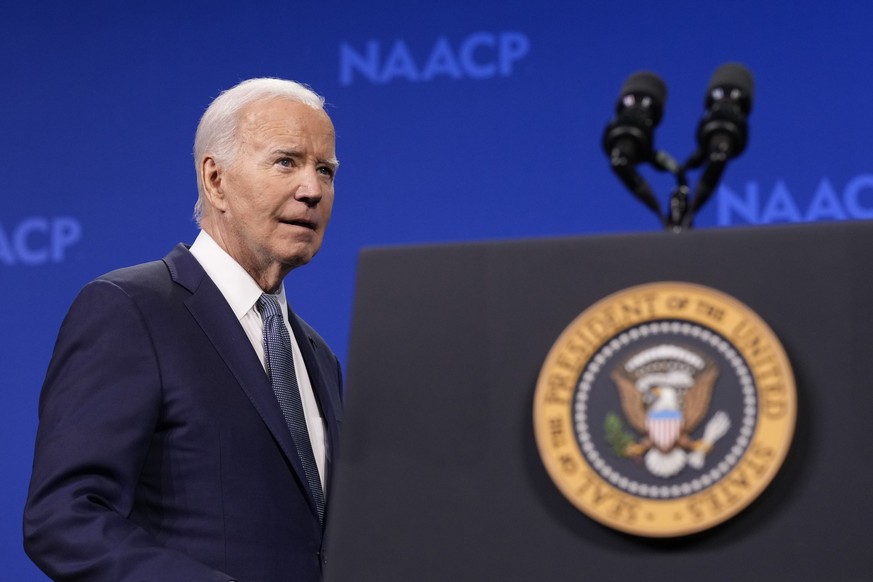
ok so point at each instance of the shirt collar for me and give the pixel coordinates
(237, 286)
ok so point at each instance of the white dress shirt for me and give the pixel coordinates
(242, 294)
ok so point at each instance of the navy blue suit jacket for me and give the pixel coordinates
(161, 452)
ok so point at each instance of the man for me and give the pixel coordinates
(168, 447)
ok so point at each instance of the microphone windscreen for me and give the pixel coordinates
(731, 76)
(647, 83)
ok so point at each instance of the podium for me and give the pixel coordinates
(439, 477)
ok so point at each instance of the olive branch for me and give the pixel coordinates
(616, 435)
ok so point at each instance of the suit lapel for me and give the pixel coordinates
(210, 309)
(328, 396)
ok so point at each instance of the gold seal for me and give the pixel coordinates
(664, 409)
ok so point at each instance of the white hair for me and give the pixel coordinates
(217, 132)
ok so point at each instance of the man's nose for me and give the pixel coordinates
(310, 188)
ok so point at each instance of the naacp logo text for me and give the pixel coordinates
(480, 55)
(38, 240)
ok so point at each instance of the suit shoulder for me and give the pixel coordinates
(137, 281)
(142, 275)
(179, 266)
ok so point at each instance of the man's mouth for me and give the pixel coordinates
(301, 222)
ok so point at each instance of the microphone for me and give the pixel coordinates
(629, 138)
(638, 111)
(722, 133)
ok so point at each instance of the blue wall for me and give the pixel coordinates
(456, 121)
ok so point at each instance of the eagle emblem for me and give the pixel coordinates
(665, 393)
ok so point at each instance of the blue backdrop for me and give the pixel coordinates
(455, 121)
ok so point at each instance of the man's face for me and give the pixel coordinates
(278, 193)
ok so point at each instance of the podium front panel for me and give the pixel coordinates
(439, 477)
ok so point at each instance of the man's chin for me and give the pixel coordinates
(299, 257)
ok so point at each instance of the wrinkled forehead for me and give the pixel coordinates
(285, 119)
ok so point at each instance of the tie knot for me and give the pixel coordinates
(269, 306)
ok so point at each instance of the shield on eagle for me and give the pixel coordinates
(664, 428)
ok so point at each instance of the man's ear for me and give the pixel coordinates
(211, 175)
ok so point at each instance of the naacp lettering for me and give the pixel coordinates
(481, 55)
(38, 240)
(749, 207)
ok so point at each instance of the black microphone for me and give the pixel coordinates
(723, 132)
(629, 138)
(638, 111)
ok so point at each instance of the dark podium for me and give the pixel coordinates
(439, 477)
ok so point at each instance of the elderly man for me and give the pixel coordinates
(188, 417)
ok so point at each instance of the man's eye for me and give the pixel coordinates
(285, 162)
(326, 171)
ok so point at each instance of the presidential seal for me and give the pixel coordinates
(664, 409)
